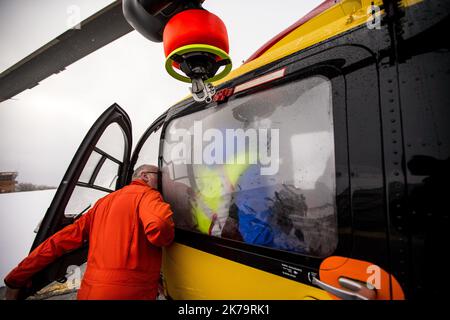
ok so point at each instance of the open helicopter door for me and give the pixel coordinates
(98, 168)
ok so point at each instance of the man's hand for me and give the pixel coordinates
(12, 294)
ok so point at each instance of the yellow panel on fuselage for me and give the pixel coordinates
(194, 274)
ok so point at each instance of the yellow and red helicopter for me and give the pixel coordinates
(356, 93)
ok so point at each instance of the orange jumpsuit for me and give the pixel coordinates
(126, 230)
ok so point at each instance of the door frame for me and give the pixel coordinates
(54, 218)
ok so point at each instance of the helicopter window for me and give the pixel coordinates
(259, 169)
(99, 176)
(90, 166)
(108, 174)
(82, 199)
(112, 141)
(149, 151)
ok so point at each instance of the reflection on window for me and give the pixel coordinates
(260, 169)
(81, 200)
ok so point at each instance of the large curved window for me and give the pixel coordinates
(259, 169)
(99, 176)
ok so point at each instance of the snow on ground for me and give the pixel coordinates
(20, 213)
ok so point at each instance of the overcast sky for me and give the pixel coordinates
(41, 128)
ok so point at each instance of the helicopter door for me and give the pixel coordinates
(98, 168)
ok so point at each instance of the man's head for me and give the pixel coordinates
(148, 173)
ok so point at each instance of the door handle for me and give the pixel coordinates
(356, 290)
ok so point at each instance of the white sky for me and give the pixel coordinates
(41, 128)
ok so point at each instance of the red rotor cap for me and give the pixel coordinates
(195, 26)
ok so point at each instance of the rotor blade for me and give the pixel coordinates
(96, 31)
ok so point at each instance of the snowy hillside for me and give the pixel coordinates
(20, 213)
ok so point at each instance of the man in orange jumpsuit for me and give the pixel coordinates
(125, 229)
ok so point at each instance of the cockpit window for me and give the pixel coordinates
(259, 169)
(99, 176)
